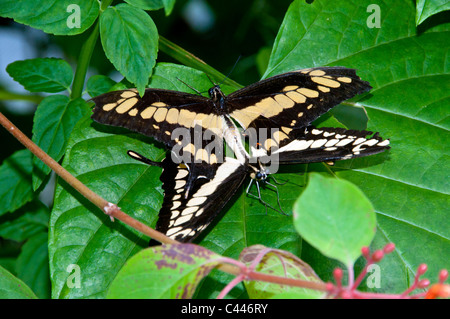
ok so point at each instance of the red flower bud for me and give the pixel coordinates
(377, 255)
(422, 269)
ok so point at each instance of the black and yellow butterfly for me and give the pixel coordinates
(198, 184)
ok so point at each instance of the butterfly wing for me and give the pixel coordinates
(194, 194)
(157, 114)
(312, 145)
(294, 99)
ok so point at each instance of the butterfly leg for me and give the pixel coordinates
(259, 197)
(278, 195)
(278, 183)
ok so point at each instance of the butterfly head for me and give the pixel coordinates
(216, 93)
(259, 174)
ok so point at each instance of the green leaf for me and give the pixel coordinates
(130, 40)
(32, 265)
(335, 217)
(278, 263)
(54, 120)
(408, 185)
(13, 288)
(171, 76)
(146, 4)
(153, 5)
(15, 181)
(99, 84)
(164, 272)
(25, 222)
(83, 235)
(60, 17)
(168, 6)
(427, 8)
(42, 74)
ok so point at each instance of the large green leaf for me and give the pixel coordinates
(409, 104)
(54, 120)
(130, 40)
(80, 233)
(61, 17)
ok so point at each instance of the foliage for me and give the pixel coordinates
(406, 62)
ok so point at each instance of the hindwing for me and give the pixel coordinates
(194, 194)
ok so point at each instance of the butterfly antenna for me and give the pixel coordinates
(232, 69)
(192, 88)
(210, 80)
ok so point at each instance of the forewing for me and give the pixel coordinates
(294, 99)
(157, 114)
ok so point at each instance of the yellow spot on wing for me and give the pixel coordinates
(345, 79)
(284, 101)
(317, 73)
(172, 116)
(323, 89)
(125, 106)
(296, 97)
(109, 106)
(269, 107)
(159, 104)
(290, 88)
(133, 112)
(160, 114)
(186, 118)
(308, 92)
(127, 94)
(148, 112)
(326, 82)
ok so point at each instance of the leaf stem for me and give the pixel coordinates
(187, 58)
(5, 96)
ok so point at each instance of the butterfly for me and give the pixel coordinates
(274, 114)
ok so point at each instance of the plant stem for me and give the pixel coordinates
(83, 62)
(187, 58)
